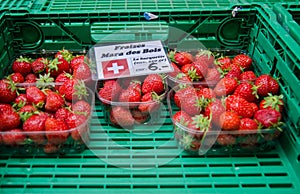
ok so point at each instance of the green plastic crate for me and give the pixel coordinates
(157, 165)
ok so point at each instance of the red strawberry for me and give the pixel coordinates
(82, 107)
(182, 93)
(27, 108)
(243, 60)
(121, 116)
(150, 102)
(130, 95)
(22, 65)
(247, 91)
(62, 114)
(31, 76)
(239, 105)
(9, 119)
(225, 86)
(50, 148)
(206, 57)
(212, 75)
(110, 91)
(39, 65)
(226, 140)
(214, 109)
(273, 102)
(198, 71)
(21, 101)
(182, 118)
(229, 121)
(56, 131)
(206, 93)
(135, 85)
(139, 116)
(82, 71)
(186, 68)
(153, 83)
(232, 70)
(79, 59)
(176, 70)
(13, 137)
(223, 61)
(254, 106)
(57, 66)
(16, 77)
(266, 84)
(8, 91)
(35, 126)
(35, 96)
(181, 77)
(268, 117)
(73, 89)
(247, 76)
(75, 122)
(248, 124)
(64, 54)
(54, 101)
(182, 58)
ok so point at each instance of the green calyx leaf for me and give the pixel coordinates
(22, 59)
(201, 122)
(45, 81)
(53, 64)
(66, 55)
(80, 90)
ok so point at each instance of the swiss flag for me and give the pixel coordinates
(115, 68)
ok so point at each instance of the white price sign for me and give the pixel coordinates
(131, 59)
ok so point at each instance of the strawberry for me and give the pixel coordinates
(121, 116)
(39, 65)
(226, 140)
(273, 102)
(247, 91)
(139, 116)
(232, 70)
(30, 76)
(50, 148)
(243, 60)
(64, 54)
(82, 71)
(206, 57)
(8, 91)
(191, 104)
(182, 58)
(76, 123)
(13, 137)
(136, 85)
(56, 131)
(214, 109)
(189, 143)
(198, 71)
(248, 124)
(181, 77)
(130, 95)
(57, 66)
(150, 102)
(73, 89)
(16, 77)
(266, 84)
(239, 105)
(268, 117)
(225, 86)
(206, 93)
(62, 114)
(223, 61)
(79, 59)
(212, 75)
(110, 91)
(153, 83)
(186, 68)
(82, 107)
(35, 96)
(54, 101)
(247, 76)
(182, 118)
(21, 100)
(254, 106)
(9, 119)
(27, 108)
(35, 126)
(176, 70)
(200, 123)
(22, 65)
(61, 78)
(229, 121)
(182, 93)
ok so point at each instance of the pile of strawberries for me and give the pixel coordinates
(42, 114)
(132, 100)
(246, 108)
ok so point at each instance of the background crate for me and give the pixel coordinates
(254, 30)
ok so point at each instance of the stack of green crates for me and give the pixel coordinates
(150, 161)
